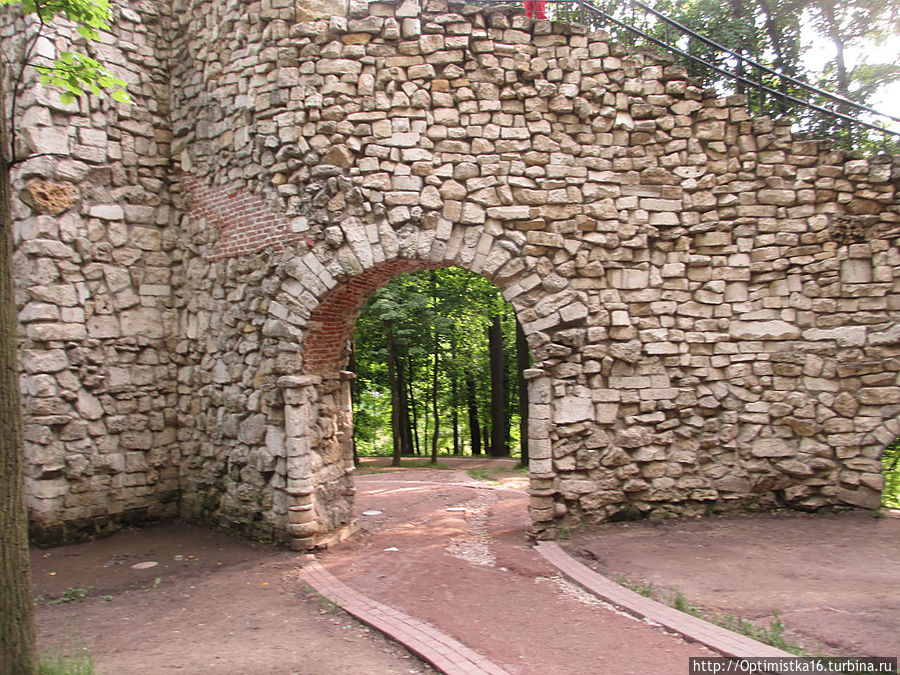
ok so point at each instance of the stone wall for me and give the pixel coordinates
(711, 302)
(94, 274)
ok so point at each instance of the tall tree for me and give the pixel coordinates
(499, 443)
(435, 367)
(75, 73)
(523, 362)
(472, 408)
(396, 426)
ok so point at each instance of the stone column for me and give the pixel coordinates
(540, 453)
(345, 419)
(300, 412)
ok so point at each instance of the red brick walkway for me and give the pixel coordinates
(441, 651)
(716, 638)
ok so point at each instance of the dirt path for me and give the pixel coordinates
(220, 605)
(452, 552)
(832, 579)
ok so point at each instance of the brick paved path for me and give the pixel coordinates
(452, 553)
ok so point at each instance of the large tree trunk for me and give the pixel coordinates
(17, 649)
(405, 436)
(474, 427)
(523, 362)
(499, 426)
(396, 427)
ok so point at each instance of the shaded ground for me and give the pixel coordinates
(212, 604)
(452, 551)
(832, 579)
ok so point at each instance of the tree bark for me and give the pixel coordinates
(17, 643)
(436, 352)
(474, 427)
(523, 362)
(499, 446)
(413, 421)
(396, 427)
(405, 437)
(834, 34)
(454, 395)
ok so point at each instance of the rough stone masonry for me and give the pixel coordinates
(711, 302)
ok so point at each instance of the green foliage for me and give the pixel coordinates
(445, 311)
(890, 460)
(56, 663)
(90, 15)
(75, 74)
(773, 634)
(71, 594)
(777, 35)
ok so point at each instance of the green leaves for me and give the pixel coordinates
(77, 74)
(90, 14)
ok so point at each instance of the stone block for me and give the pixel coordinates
(772, 447)
(572, 409)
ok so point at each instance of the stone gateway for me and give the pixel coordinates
(711, 302)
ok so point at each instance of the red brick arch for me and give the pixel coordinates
(331, 324)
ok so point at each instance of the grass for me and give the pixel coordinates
(53, 662)
(71, 594)
(772, 635)
(488, 474)
(404, 464)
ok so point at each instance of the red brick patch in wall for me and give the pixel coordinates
(245, 224)
(332, 322)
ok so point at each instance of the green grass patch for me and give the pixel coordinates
(53, 662)
(71, 594)
(772, 635)
(489, 475)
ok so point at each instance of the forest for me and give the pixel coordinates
(439, 359)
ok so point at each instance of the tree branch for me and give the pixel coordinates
(19, 81)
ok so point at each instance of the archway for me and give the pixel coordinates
(319, 420)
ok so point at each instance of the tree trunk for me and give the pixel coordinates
(434, 374)
(454, 396)
(474, 427)
(396, 427)
(414, 423)
(499, 447)
(834, 34)
(405, 433)
(17, 646)
(434, 405)
(736, 12)
(776, 39)
(523, 362)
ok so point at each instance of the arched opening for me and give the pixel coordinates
(319, 418)
(440, 361)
